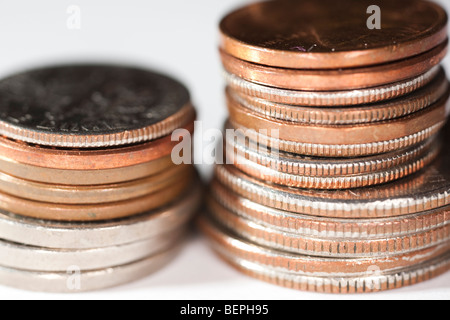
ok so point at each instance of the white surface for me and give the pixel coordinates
(178, 37)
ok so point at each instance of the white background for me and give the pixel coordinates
(178, 37)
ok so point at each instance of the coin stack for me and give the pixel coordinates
(335, 180)
(89, 195)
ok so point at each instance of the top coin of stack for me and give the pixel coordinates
(323, 102)
(86, 176)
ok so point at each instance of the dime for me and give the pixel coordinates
(89, 235)
(91, 106)
(84, 177)
(339, 79)
(330, 98)
(66, 194)
(337, 150)
(30, 258)
(417, 101)
(329, 228)
(93, 212)
(327, 247)
(57, 282)
(102, 159)
(331, 34)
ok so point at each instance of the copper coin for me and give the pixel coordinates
(330, 98)
(89, 106)
(329, 80)
(417, 101)
(265, 173)
(325, 247)
(329, 228)
(102, 159)
(331, 34)
(66, 194)
(93, 212)
(84, 177)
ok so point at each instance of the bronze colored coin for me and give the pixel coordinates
(342, 134)
(417, 101)
(102, 159)
(326, 247)
(330, 98)
(330, 34)
(91, 212)
(262, 172)
(231, 244)
(84, 177)
(336, 150)
(66, 194)
(330, 80)
(329, 228)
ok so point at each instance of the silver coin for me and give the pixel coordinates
(324, 99)
(18, 256)
(75, 280)
(47, 234)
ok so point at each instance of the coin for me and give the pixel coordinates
(329, 228)
(89, 235)
(337, 150)
(330, 34)
(59, 260)
(330, 98)
(417, 101)
(89, 106)
(63, 282)
(93, 212)
(66, 194)
(101, 159)
(84, 177)
(321, 246)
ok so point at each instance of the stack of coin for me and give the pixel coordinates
(89, 195)
(327, 116)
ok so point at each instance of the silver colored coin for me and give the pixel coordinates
(329, 99)
(75, 280)
(49, 234)
(22, 257)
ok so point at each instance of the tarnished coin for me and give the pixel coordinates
(327, 247)
(331, 34)
(331, 275)
(336, 79)
(89, 106)
(338, 115)
(64, 282)
(89, 235)
(330, 98)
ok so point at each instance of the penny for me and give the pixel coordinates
(342, 79)
(424, 191)
(329, 228)
(90, 106)
(63, 282)
(342, 134)
(93, 212)
(330, 98)
(238, 151)
(330, 34)
(417, 101)
(89, 235)
(29, 258)
(324, 247)
(84, 177)
(329, 182)
(337, 150)
(102, 159)
(65, 194)
(226, 241)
